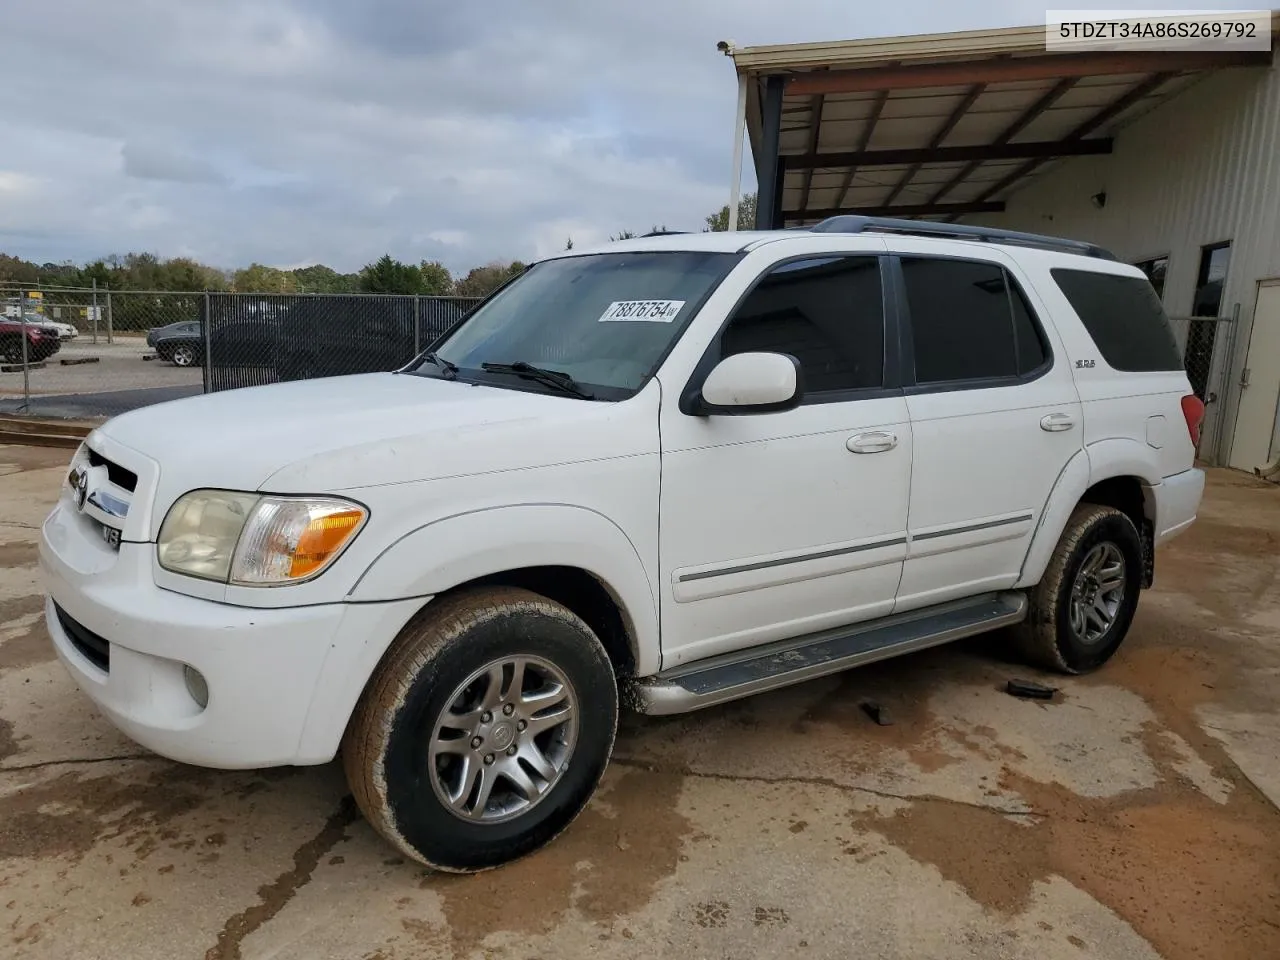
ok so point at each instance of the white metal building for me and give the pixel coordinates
(1170, 159)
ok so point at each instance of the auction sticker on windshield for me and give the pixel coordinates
(655, 311)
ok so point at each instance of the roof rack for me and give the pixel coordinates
(850, 223)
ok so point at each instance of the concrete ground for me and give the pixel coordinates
(1132, 817)
(119, 367)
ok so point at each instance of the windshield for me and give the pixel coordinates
(606, 320)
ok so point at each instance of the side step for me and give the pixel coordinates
(744, 673)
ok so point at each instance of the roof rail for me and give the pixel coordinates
(852, 223)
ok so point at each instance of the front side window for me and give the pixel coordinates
(969, 321)
(827, 312)
(606, 320)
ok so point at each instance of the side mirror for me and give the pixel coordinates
(752, 383)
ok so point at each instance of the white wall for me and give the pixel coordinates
(1201, 168)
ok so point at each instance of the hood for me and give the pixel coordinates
(344, 433)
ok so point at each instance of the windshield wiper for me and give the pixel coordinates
(447, 367)
(552, 378)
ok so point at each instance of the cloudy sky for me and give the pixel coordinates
(292, 132)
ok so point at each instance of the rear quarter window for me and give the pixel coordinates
(1124, 317)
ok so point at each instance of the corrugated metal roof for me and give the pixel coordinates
(846, 100)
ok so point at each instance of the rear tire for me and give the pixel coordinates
(1081, 609)
(443, 716)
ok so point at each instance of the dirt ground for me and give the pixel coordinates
(1133, 817)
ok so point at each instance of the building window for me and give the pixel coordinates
(1201, 336)
(1155, 269)
(1214, 260)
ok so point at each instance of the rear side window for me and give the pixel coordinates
(969, 321)
(1124, 317)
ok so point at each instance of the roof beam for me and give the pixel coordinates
(1048, 99)
(815, 130)
(941, 134)
(872, 119)
(1005, 70)
(1039, 149)
(901, 210)
(1117, 106)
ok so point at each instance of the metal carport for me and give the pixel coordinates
(938, 126)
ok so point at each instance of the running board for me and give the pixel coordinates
(747, 672)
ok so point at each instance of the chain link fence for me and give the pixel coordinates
(1208, 344)
(252, 339)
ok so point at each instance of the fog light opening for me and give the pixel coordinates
(197, 686)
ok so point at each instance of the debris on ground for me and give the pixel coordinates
(1029, 689)
(876, 712)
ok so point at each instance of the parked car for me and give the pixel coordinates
(180, 343)
(665, 473)
(245, 343)
(63, 331)
(42, 341)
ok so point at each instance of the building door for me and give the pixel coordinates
(1259, 398)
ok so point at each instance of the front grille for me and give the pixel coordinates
(95, 649)
(125, 479)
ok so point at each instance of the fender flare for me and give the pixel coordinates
(1117, 457)
(457, 549)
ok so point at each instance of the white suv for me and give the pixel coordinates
(673, 471)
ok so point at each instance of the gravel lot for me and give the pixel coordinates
(1133, 817)
(120, 367)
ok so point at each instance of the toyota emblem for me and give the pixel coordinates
(82, 487)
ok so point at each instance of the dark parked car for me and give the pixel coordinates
(233, 343)
(328, 336)
(181, 343)
(42, 342)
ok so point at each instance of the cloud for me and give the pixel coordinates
(158, 162)
(289, 131)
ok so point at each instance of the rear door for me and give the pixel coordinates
(994, 418)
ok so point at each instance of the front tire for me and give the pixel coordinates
(183, 356)
(1082, 608)
(484, 732)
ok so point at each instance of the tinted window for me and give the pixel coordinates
(828, 313)
(1030, 342)
(968, 321)
(1124, 317)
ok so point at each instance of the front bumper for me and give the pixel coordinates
(281, 682)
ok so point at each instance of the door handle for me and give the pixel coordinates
(1056, 422)
(876, 441)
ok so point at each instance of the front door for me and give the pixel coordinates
(994, 417)
(775, 525)
(1260, 396)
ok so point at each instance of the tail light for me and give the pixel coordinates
(1193, 413)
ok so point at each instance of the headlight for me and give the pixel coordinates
(253, 540)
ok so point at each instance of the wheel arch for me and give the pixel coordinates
(570, 554)
(1113, 473)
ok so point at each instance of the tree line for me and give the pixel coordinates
(147, 271)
